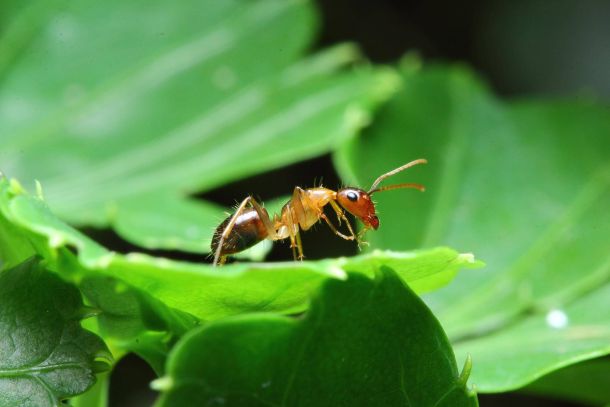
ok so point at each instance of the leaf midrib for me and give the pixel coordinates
(32, 370)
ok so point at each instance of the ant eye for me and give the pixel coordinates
(352, 196)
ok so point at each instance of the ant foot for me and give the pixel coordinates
(362, 243)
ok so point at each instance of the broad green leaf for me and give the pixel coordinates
(283, 287)
(45, 355)
(132, 112)
(362, 342)
(523, 352)
(524, 185)
(212, 292)
(585, 382)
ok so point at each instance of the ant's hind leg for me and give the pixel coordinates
(218, 258)
(299, 246)
(264, 216)
(291, 226)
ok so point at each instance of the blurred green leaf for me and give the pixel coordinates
(548, 342)
(320, 360)
(585, 382)
(131, 112)
(45, 355)
(212, 292)
(524, 185)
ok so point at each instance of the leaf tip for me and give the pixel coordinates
(56, 240)
(336, 271)
(39, 192)
(164, 383)
(463, 379)
(16, 187)
(468, 258)
(389, 82)
(356, 118)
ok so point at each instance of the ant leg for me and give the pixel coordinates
(296, 206)
(339, 212)
(263, 215)
(334, 229)
(357, 237)
(341, 215)
(291, 232)
(228, 230)
(300, 246)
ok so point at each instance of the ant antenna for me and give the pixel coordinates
(396, 171)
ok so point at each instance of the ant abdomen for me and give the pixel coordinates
(248, 230)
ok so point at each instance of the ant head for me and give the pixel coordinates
(359, 203)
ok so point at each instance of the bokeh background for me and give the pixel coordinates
(534, 48)
(543, 49)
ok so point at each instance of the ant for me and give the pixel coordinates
(251, 223)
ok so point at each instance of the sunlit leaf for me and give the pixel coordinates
(130, 113)
(324, 359)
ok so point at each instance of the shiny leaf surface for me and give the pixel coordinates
(325, 358)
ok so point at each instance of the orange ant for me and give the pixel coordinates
(251, 223)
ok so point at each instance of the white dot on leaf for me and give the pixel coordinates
(557, 319)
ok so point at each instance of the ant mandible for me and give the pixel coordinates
(250, 224)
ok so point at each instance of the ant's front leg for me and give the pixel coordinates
(334, 229)
(341, 215)
(360, 238)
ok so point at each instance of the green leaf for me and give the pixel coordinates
(45, 355)
(134, 321)
(143, 109)
(96, 396)
(362, 342)
(585, 382)
(524, 185)
(548, 342)
(211, 292)
(283, 287)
